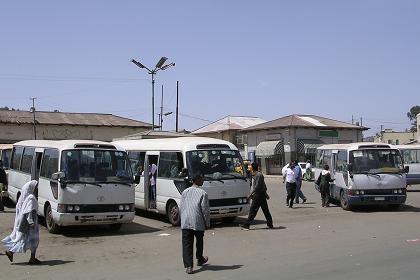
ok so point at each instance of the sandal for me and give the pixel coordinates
(9, 255)
(34, 261)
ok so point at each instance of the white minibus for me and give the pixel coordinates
(364, 173)
(80, 181)
(411, 158)
(219, 161)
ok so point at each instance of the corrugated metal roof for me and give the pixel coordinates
(229, 123)
(61, 118)
(308, 121)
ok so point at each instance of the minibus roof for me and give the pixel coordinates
(66, 144)
(355, 146)
(175, 144)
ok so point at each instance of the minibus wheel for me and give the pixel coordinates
(344, 201)
(52, 227)
(173, 213)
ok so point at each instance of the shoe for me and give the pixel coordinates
(202, 261)
(9, 255)
(244, 227)
(290, 206)
(270, 227)
(34, 261)
(304, 200)
(189, 270)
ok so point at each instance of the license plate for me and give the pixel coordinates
(379, 198)
(224, 211)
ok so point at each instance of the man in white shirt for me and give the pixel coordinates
(290, 177)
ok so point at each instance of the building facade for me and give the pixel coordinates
(394, 137)
(19, 125)
(276, 142)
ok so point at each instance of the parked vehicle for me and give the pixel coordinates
(80, 181)
(411, 158)
(176, 158)
(364, 173)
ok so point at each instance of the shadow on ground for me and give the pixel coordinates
(104, 230)
(45, 263)
(213, 267)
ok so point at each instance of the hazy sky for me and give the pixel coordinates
(251, 58)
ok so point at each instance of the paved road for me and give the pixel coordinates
(310, 242)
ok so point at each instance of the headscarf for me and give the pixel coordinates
(27, 203)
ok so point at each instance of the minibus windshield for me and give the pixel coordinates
(216, 164)
(374, 161)
(100, 166)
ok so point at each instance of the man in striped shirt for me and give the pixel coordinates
(195, 218)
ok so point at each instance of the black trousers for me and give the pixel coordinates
(325, 195)
(291, 193)
(1, 203)
(188, 244)
(258, 202)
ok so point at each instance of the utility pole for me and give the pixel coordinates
(176, 126)
(33, 112)
(352, 120)
(161, 111)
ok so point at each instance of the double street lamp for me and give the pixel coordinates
(159, 66)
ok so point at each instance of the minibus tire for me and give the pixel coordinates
(52, 227)
(344, 202)
(173, 214)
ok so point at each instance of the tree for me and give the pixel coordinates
(412, 115)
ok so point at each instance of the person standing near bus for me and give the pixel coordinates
(195, 219)
(152, 176)
(3, 185)
(323, 182)
(259, 198)
(298, 174)
(25, 234)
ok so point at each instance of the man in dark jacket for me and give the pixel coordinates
(3, 184)
(259, 198)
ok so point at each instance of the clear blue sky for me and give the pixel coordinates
(258, 58)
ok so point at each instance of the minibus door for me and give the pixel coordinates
(149, 191)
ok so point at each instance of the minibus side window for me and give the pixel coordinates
(170, 164)
(16, 157)
(326, 158)
(341, 161)
(319, 158)
(137, 161)
(28, 155)
(49, 163)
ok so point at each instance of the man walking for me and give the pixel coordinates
(298, 174)
(195, 218)
(259, 198)
(290, 177)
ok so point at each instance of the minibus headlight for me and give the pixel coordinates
(77, 208)
(362, 192)
(239, 200)
(357, 192)
(121, 207)
(400, 191)
(70, 208)
(395, 191)
(127, 207)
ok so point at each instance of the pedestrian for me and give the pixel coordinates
(3, 185)
(290, 177)
(25, 234)
(195, 219)
(298, 174)
(152, 178)
(308, 176)
(259, 198)
(323, 182)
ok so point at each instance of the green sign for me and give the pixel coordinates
(328, 133)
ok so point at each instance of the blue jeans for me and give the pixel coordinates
(299, 193)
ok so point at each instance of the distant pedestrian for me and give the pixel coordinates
(298, 176)
(323, 182)
(152, 177)
(308, 176)
(259, 198)
(290, 177)
(25, 234)
(195, 219)
(3, 185)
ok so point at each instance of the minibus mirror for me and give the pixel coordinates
(137, 179)
(406, 169)
(350, 167)
(58, 175)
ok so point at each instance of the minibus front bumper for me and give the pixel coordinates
(69, 219)
(376, 199)
(229, 211)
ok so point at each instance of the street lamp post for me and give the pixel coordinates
(159, 66)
